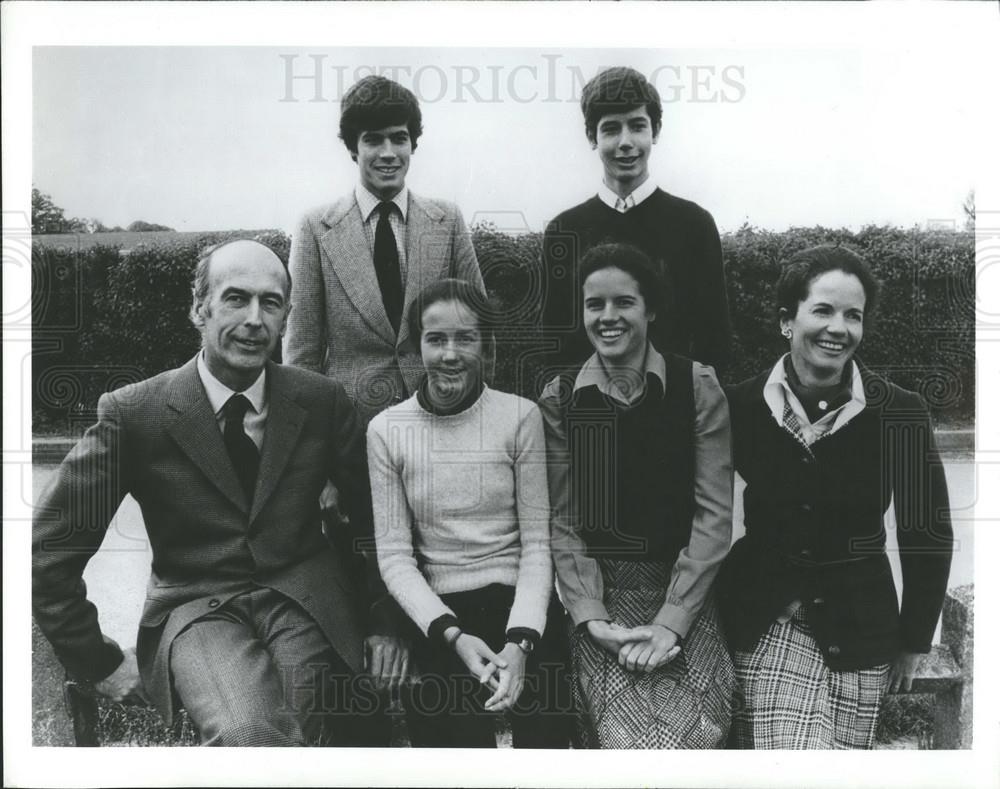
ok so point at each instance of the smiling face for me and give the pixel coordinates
(827, 326)
(244, 314)
(616, 318)
(383, 158)
(451, 346)
(624, 141)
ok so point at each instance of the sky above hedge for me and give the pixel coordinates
(219, 138)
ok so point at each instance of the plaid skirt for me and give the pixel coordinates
(684, 704)
(787, 698)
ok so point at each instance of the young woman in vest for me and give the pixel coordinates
(461, 513)
(640, 482)
(807, 596)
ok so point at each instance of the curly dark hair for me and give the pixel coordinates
(374, 103)
(798, 273)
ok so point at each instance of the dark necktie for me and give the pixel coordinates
(241, 448)
(387, 266)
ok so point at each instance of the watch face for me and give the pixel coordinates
(526, 645)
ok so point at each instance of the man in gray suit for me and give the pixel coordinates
(250, 613)
(358, 263)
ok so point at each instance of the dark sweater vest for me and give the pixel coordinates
(632, 467)
(680, 238)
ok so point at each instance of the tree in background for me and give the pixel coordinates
(145, 227)
(47, 217)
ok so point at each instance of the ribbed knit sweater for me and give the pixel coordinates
(461, 502)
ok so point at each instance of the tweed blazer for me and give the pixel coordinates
(815, 532)
(338, 325)
(159, 441)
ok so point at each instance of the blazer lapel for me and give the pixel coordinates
(346, 245)
(197, 433)
(285, 418)
(427, 252)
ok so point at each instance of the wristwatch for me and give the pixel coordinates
(525, 644)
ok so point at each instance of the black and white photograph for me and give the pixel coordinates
(536, 379)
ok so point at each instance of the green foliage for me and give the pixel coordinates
(138, 226)
(47, 217)
(923, 333)
(103, 318)
(906, 718)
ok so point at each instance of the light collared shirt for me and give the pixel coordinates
(777, 392)
(218, 395)
(594, 373)
(369, 203)
(581, 583)
(623, 204)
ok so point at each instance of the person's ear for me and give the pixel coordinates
(785, 322)
(198, 314)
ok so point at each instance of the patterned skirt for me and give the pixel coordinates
(684, 704)
(788, 699)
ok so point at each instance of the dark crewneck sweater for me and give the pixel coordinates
(683, 242)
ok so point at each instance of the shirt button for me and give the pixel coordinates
(833, 650)
(806, 508)
(213, 603)
(819, 601)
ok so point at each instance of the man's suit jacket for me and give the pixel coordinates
(338, 325)
(159, 440)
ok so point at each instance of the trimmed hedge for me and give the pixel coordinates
(103, 318)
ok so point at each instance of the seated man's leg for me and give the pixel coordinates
(334, 705)
(226, 680)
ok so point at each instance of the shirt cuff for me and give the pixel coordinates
(676, 618)
(435, 630)
(584, 610)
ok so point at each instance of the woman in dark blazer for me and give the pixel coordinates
(807, 596)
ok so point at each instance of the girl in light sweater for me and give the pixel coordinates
(462, 530)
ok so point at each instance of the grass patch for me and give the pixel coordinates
(906, 717)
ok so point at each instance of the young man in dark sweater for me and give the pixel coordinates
(622, 116)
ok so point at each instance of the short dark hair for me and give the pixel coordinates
(376, 102)
(450, 289)
(615, 90)
(634, 262)
(798, 273)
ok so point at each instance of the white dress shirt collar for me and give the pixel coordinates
(777, 392)
(368, 202)
(623, 204)
(219, 394)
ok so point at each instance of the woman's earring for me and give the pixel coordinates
(786, 333)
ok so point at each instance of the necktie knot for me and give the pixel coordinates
(385, 209)
(236, 408)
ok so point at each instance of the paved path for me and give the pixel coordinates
(116, 576)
